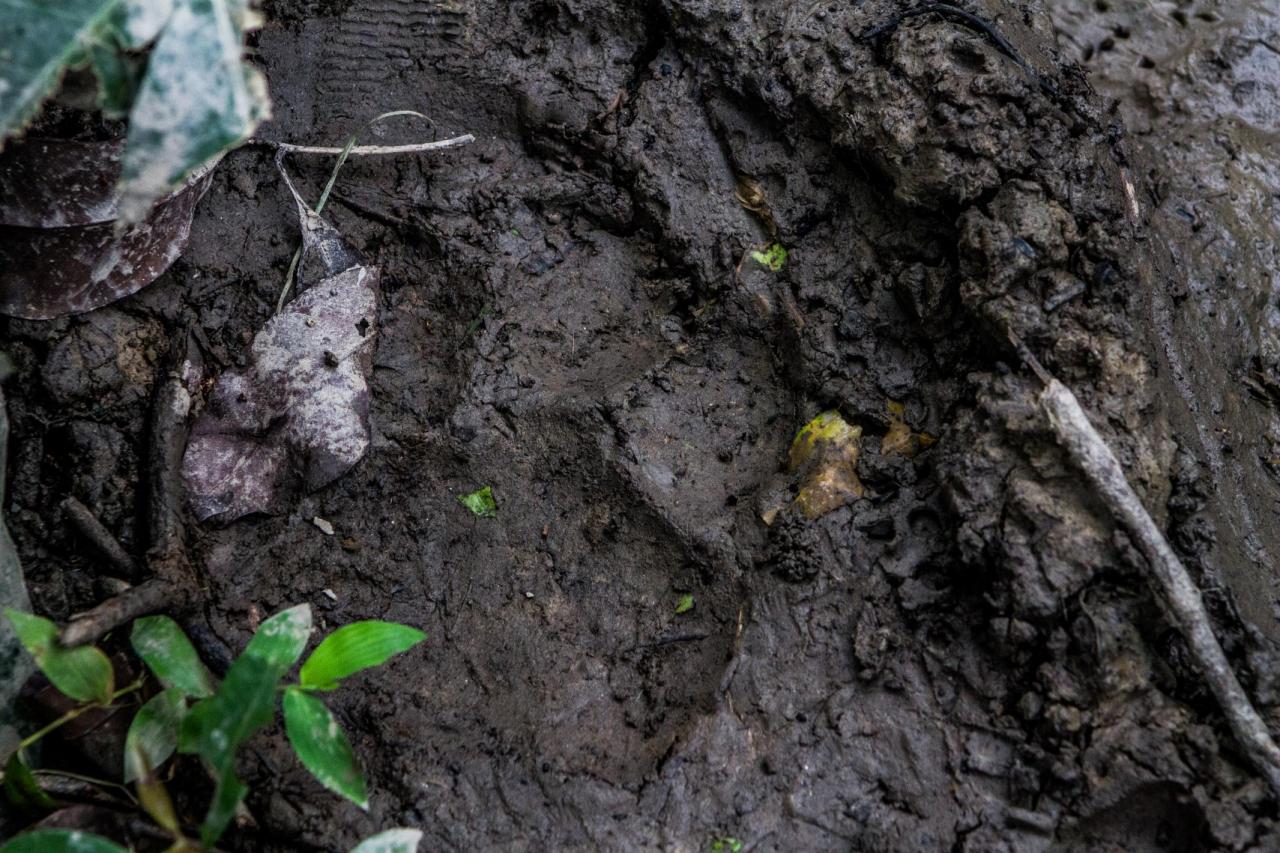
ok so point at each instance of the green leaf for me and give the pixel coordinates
(83, 673)
(167, 652)
(61, 841)
(140, 21)
(481, 502)
(153, 734)
(118, 75)
(227, 795)
(21, 790)
(280, 640)
(41, 39)
(774, 257)
(216, 727)
(391, 841)
(685, 604)
(197, 100)
(322, 745)
(354, 647)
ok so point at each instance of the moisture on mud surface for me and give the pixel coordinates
(965, 657)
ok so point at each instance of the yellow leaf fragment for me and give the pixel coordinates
(899, 438)
(825, 453)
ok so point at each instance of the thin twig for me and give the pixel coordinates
(152, 596)
(370, 150)
(1094, 458)
(97, 535)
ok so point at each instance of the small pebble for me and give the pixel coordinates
(330, 594)
(325, 527)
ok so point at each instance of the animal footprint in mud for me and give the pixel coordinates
(297, 417)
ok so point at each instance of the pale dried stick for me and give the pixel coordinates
(1094, 458)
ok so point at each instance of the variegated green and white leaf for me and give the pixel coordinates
(197, 100)
(41, 38)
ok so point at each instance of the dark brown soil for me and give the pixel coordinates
(968, 658)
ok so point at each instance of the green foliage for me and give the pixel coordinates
(193, 99)
(21, 790)
(216, 727)
(197, 100)
(481, 502)
(726, 844)
(322, 745)
(40, 41)
(353, 648)
(60, 841)
(391, 841)
(153, 734)
(167, 652)
(773, 258)
(83, 673)
(220, 722)
(684, 605)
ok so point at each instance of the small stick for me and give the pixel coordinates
(97, 535)
(149, 597)
(369, 150)
(1094, 458)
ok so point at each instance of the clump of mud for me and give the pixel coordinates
(965, 657)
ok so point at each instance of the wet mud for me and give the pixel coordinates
(966, 657)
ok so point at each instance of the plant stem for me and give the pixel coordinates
(76, 712)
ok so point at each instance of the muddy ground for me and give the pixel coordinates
(966, 658)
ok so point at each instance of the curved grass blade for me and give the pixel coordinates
(355, 647)
(322, 745)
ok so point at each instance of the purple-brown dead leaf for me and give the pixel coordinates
(59, 248)
(297, 417)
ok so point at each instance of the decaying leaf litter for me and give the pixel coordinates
(882, 590)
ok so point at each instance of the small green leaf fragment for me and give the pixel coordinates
(61, 841)
(773, 258)
(322, 745)
(153, 734)
(685, 604)
(391, 841)
(355, 647)
(83, 673)
(165, 649)
(21, 790)
(726, 844)
(481, 502)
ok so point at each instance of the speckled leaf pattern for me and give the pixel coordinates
(83, 673)
(391, 841)
(40, 38)
(61, 841)
(197, 99)
(353, 648)
(167, 652)
(297, 417)
(322, 745)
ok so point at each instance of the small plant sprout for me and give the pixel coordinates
(772, 258)
(192, 714)
(684, 604)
